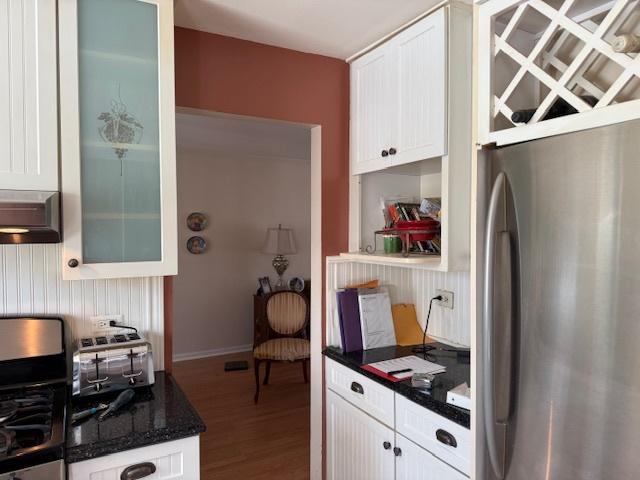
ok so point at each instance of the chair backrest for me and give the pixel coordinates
(286, 312)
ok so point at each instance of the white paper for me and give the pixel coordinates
(416, 364)
(376, 320)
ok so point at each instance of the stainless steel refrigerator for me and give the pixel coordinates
(561, 308)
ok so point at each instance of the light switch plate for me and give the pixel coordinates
(447, 298)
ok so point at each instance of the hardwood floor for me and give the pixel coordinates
(246, 441)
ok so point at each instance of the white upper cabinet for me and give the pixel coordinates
(398, 101)
(549, 67)
(419, 56)
(117, 138)
(371, 110)
(422, 148)
(28, 95)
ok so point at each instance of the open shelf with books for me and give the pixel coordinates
(414, 215)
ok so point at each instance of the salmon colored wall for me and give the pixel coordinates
(234, 76)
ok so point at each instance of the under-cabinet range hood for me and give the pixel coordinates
(29, 217)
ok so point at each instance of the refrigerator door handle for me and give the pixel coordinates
(487, 327)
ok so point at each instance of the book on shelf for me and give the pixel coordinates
(364, 318)
(398, 209)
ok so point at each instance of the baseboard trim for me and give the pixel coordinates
(181, 357)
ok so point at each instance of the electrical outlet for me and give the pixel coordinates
(447, 298)
(100, 323)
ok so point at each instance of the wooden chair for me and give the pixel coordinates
(287, 316)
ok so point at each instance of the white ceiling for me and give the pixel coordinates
(335, 28)
(234, 136)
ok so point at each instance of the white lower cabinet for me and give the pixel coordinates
(415, 463)
(359, 447)
(365, 426)
(175, 460)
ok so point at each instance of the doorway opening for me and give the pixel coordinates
(242, 180)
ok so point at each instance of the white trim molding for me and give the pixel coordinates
(214, 352)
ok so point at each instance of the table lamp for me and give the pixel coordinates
(279, 242)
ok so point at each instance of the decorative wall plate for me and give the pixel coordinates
(197, 221)
(196, 245)
(296, 284)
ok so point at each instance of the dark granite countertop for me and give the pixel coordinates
(159, 413)
(458, 371)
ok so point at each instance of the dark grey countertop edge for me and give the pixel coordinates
(454, 414)
(90, 451)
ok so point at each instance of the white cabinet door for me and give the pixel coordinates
(419, 56)
(356, 448)
(175, 460)
(415, 463)
(118, 138)
(371, 115)
(28, 95)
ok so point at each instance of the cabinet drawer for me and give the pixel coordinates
(175, 460)
(372, 398)
(446, 440)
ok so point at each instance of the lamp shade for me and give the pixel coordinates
(279, 241)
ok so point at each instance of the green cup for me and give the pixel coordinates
(392, 244)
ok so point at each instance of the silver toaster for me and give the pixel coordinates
(111, 363)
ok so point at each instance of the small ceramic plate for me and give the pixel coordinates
(196, 245)
(197, 221)
(296, 284)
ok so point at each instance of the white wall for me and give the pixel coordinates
(31, 284)
(406, 285)
(242, 192)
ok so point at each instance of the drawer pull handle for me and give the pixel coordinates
(445, 437)
(356, 387)
(397, 451)
(387, 445)
(140, 470)
(392, 151)
(385, 153)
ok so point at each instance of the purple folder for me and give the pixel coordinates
(349, 316)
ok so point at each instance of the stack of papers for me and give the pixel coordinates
(413, 363)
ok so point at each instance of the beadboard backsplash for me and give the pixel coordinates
(406, 285)
(31, 284)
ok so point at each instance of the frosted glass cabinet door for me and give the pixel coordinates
(118, 140)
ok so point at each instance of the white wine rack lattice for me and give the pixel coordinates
(561, 65)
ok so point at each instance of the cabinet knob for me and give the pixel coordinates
(392, 151)
(73, 263)
(140, 470)
(445, 437)
(385, 153)
(397, 451)
(387, 445)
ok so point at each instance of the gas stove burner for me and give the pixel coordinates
(8, 409)
(6, 440)
(28, 418)
(33, 394)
